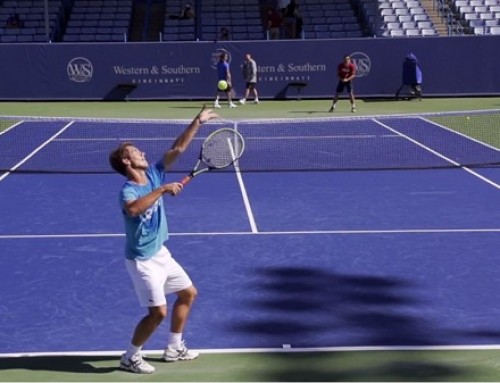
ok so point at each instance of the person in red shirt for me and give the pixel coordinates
(274, 24)
(345, 72)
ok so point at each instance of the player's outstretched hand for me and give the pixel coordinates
(206, 114)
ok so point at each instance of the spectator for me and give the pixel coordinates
(282, 4)
(14, 21)
(250, 76)
(187, 13)
(224, 34)
(274, 24)
(290, 20)
(299, 23)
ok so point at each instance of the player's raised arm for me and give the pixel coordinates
(183, 141)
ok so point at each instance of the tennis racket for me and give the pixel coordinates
(219, 150)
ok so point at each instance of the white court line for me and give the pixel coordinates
(4, 175)
(315, 232)
(256, 138)
(284, 349)
(246, 200)
(459, 134)
(335, 137)
(468, 170)
(244, 194)
(11, 127)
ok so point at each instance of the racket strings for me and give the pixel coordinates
(222, 148)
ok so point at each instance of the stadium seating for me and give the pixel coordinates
(398, 18)
(176, 29)
(324, 19)
(97, 20)
(241, 17)
(33, 18)
(478, 17)
(88, 20)
(110, 20)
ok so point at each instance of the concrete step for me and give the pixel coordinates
(433, 13)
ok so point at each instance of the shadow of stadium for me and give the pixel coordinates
(306, 304)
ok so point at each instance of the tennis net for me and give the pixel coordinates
(439, 140)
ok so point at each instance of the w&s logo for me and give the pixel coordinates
(80, 70)
(362, 62)
(216, 56)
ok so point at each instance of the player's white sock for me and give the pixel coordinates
(175, 340)
(132, 350)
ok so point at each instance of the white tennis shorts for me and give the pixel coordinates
(156, 277)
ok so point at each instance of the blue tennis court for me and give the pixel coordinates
(332, 233)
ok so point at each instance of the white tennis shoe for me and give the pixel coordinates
(171, 355)
(136, 364)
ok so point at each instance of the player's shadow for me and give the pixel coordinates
(320, 111)
(207, 105)
(312, 307)
(491, 335)
(71, 364)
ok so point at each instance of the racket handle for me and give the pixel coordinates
(185, 180)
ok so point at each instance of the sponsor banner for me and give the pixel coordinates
(450, 66)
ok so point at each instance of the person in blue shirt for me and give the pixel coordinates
(153, 270)
(224, 73)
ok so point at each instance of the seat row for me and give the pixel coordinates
(487, 30)
(112, 19)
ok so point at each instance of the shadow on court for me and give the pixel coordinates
(323, 111)
(72, 364)
(307, 307)
(491, 336)
(208, 104)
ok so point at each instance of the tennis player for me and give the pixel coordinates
(346, 71)
(224, 73)
(153, 270)
(249, 69)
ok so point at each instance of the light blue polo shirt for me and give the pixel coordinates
(146, 233)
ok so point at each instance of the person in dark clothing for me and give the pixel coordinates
(14, 21)
(412, 76)
(290, 20)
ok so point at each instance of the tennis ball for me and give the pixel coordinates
(468, 118)
(222, 85)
